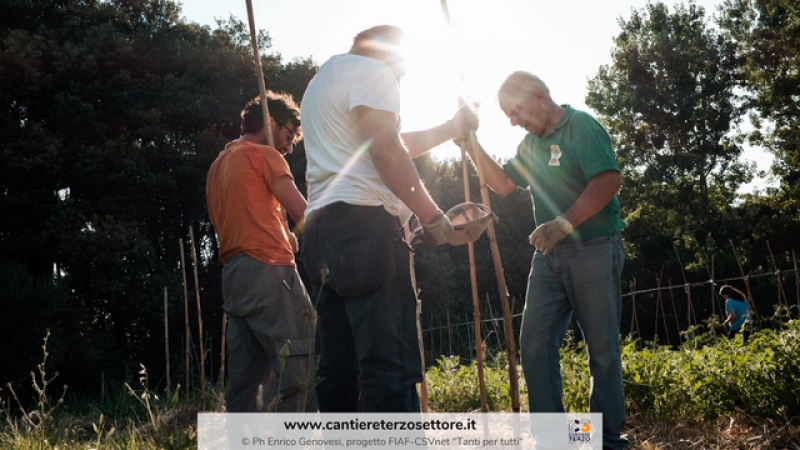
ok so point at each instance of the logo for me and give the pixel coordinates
(555, 155)
(580, 430)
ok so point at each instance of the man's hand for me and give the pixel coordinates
(547, 235)
(293, 242)
(464, 121)
(437, 232)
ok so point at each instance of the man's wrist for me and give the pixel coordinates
(565, 224)
(432, 218)
(455, 129)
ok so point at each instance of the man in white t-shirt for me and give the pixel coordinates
(362, 187)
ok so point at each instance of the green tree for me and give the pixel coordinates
(767, 33)
(669, 101)
(112, 113)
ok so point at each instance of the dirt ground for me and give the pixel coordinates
(726, 433)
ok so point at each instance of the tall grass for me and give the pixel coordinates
(705, 378)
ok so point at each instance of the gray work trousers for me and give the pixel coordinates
(270, 328)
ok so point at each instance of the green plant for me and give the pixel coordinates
(453, 387)
(36, 423)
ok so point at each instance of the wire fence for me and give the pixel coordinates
(666, 316)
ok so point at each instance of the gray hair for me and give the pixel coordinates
(520, 84)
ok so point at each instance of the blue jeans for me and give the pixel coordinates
(580, 278)
(359, 276)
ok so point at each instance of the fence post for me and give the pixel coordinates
(781, 292)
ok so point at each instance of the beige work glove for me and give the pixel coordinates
(547, 235)
(437, 232)
(464, 121)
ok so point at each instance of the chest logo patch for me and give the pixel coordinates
(555, 155)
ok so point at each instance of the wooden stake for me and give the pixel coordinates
(449, 335)
(635, 320)
(658, 304)
(186, 317)
(260, 74)
(508, 330)
(166, 343)
(689, 305)
(796, 281)
(781, 292)
(672, 300)
(473, 278)
(661, 304)
(501, 283)
(423, 387)
(199, 318)
(223, 353)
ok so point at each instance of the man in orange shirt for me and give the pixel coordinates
(249, 190)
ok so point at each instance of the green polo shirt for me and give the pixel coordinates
(557, 168)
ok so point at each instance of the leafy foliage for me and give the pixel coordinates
(669, 101)
(707, 377)
(453, 387)
(112, 113)
(710, 381)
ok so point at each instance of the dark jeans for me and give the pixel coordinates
(359, 278)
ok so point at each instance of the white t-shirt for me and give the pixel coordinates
(339, 167)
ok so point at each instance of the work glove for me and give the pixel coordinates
(547, 235)
(464, 121)
(437, 232)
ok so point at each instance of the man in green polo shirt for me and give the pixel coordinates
(567, 162)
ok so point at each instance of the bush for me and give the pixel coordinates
(453, 387)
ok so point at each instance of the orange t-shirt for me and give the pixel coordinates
(246, 215)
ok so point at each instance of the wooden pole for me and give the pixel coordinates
(508, 329)
(423, 387)
(687, 290)
(260, 74)
(499, 273)
(199, 317)
(473, 278)
(661, 304)
(781, 292)
(185, 317)
(449, 335)
(166, 344)
(672, 300)
(796, 282)
(493, 321)
(222, 352)
(658, 309)
(635, 320)
(714, 296)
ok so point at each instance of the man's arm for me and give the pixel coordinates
(496, 177)
(600, 190)
(394, 164)
(731, 317)
(290, 198)
(419, 142)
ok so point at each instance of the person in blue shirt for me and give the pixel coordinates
(737, 310)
